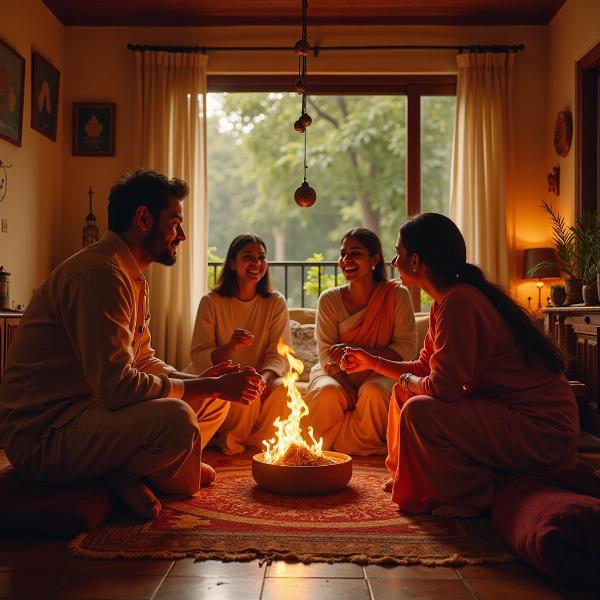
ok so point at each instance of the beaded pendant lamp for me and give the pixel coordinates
(305, 195)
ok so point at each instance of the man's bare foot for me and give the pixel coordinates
(387, 486)
(136, 495)
(207, 474)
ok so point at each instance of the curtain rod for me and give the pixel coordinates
(316, 48)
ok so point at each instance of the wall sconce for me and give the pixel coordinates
(554, 181)
(90, 229)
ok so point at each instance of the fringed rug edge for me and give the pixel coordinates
(76, 549)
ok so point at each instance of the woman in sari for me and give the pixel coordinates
(350, 411)
(241, 320)
(486, 398)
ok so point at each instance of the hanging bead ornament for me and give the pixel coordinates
(304, 196)
(90, 229)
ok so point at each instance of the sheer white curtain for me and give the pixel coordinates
(170, 136)
(480, 158)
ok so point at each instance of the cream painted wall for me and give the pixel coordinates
(95, 65)
(572, 33)
(33, 203)
(99, 67)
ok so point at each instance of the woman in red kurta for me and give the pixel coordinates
(486, 398)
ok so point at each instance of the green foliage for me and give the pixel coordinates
(587, 245)
(437, 128)
(212, 276)
(316, 273)
(356, 163)
(426, 301)
(577, 246)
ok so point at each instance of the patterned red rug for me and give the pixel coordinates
(233, 519)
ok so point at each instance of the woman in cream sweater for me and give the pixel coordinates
(242, 319)
(350, 412)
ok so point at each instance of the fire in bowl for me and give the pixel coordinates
(303, 480)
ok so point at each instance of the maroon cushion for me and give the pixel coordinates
(57, 510)
(553, 523)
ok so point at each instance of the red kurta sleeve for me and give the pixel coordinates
(420, 367)
(465, 335)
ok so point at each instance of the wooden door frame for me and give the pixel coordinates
(587, 131)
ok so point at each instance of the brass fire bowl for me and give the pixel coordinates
(310, 480)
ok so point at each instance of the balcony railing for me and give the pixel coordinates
(301, 282)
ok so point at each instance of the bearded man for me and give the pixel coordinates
(83, 395)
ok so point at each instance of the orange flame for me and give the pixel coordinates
(289, 432)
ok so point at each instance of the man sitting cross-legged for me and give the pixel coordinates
(83, 395)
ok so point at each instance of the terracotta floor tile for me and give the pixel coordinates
(215, 568)
(39, 568)
(278, 588)
(31, 585)
(127, 567)
(513, 589)
(418, 589)
(516, 570)
(338, 570)
(210, 588)
(41, 555)
(578, 593)
(113, 587)
(410, 572)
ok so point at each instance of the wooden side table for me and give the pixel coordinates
(576, 329)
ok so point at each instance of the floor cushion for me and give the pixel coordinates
(553, 523)
(56, 510)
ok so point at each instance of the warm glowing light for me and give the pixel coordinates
(288, 437)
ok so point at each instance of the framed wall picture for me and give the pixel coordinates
(12, 79)
(94, 128)
(45, 80)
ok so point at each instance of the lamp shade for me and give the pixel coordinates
(535, 256)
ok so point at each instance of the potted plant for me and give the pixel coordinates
(577, 253)
(587, 233)
(558, 294)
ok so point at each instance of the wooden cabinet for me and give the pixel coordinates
(576, 329)
(9, 321)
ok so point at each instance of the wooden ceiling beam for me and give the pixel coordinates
(246, 13)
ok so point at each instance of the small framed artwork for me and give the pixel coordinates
(45, 80)
(12, 80)
(94, 128)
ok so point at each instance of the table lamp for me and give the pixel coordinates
(548, 270)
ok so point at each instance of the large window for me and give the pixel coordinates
(377, 151)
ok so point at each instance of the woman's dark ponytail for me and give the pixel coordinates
(440, 245)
